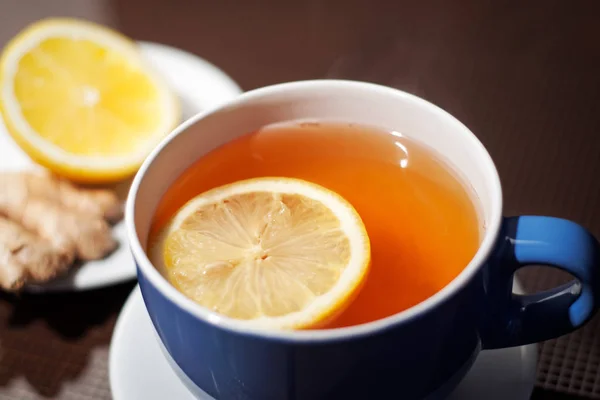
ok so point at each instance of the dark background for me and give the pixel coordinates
(523, 75)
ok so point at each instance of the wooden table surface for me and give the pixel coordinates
(524, 76)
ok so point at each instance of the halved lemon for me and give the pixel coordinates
(79, 99)
(274, 253)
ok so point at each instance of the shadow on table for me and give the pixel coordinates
(47, 339)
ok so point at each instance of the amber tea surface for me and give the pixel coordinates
(419, 215)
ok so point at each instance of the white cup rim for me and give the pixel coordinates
(459, 282)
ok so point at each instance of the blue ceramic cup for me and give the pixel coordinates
(422, 352)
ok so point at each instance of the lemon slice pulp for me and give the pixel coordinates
(79, 99)
(274, 253)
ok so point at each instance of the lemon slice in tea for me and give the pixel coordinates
(275, 253)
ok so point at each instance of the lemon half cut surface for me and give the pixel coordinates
(79, 99)
(275, 253)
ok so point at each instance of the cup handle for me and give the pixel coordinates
(514, 320)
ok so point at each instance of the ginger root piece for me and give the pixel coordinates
(72, 220)
(46, 223)
(88, 237)
(99, 202)
(27, 258)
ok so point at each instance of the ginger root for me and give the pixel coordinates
(46, 223)
(23, 185)
(26, 258)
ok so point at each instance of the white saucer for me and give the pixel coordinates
(200, 86)
(139, 370)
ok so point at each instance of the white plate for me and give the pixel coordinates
(139, 370)
(199, 85)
